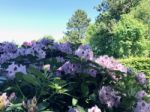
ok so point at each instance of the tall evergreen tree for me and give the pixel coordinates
(77, 26)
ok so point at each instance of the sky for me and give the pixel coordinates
(26, 20)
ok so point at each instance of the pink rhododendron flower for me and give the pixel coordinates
(94, 109)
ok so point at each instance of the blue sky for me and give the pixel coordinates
(22, 20)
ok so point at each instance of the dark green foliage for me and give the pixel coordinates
(115, 8)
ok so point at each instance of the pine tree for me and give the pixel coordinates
(77, 26)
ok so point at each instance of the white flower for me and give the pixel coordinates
(94, 109)
(46, 67)
(13, 69)
(4, 101)
(22, 69)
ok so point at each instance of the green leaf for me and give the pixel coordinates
(92, 97)
(31, 79)
(147, 98)
(74, 101)
(42, 106)
(10, 88)
(34, 71)
(84, 89)
(19, 76)
(81, 109)
(13, 107)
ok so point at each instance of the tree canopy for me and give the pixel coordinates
(121, 29)
(77, 26)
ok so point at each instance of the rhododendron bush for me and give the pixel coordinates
(62, 77)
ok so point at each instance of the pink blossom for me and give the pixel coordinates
(94, 109)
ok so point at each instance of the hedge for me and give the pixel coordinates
(137, 63)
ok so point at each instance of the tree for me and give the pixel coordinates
(99, 36)
(77, 26)
(129, 37)
(91, 30)
(110, 14)
(142, 12)
(115, 8)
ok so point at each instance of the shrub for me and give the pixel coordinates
(138, 63)
(48, 76)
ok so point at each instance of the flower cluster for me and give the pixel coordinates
(46, 41)
(91, 72)
(11, 51)
(141, 94)
(63, 47)
(84, 51)
(30, 105)
(142, 106)
(110, 63)
(5, 100)
(94, 109)
(7, 51)
(38, 49)
(35, 50)
(141, 78)
(109, 97)
(70, 68)
(13, 69)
